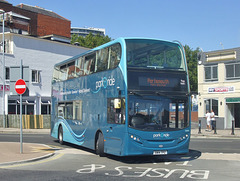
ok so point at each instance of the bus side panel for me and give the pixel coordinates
(94, 92)
(113, 132)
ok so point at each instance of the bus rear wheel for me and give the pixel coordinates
(60, 135)
(100, 145)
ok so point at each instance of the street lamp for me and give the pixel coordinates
(3, 64)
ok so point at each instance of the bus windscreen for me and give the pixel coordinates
(152, 54)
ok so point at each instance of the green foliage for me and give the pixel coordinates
(191, 56)
(90, 41)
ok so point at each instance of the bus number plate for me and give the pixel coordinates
(163, 152)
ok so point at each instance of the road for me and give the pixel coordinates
(209, 159)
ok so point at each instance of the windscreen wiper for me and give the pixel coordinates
(135, 93)
(164, 94)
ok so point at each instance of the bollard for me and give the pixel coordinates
(214, 125)
(199, 127)
(233, 125)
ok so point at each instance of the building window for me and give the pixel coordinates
(35, 76)
(232, 71)
(7, 73)
(45, 107)
(211, 73)
(7, 47)
(211, 104)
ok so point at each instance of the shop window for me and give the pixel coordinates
(211, 104)
(211, 73)
(45, 109)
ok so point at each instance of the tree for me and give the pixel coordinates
(191, 56)
(90, 41)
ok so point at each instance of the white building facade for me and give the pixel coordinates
(38, 57)
(85, 31)
(219, 86)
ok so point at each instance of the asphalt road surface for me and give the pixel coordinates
(209, 159)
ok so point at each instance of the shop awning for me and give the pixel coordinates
(233, 100)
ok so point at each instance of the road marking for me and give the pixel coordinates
(74, 151)
(141, 172)
(35, 162)
(38, 149)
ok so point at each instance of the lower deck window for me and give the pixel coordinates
(70, 110)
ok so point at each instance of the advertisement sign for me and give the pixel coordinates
(221, 89)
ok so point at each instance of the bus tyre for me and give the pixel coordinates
(100, 145)
(60, 135)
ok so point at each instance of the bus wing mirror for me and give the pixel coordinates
(117, 103)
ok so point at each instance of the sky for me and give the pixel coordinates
(205, 24)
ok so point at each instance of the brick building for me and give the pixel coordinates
(36, 21)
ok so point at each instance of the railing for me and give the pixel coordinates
(28, 121)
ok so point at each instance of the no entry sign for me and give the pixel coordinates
(20, 86)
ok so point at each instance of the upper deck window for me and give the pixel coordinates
(96, 61)
(155, 54)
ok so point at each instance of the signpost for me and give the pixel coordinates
(20, 88)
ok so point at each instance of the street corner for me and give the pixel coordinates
(10, 153)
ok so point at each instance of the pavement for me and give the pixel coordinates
(10, 151)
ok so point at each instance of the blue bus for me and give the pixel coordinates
(128, 97)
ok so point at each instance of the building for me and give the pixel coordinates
(85, 31)
(219, 86)
(36, 21)
(38, 56)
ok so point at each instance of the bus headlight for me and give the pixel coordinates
(182, 138)
(136, 138)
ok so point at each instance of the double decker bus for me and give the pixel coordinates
(128, 97)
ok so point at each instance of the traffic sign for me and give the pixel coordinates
(20, 86)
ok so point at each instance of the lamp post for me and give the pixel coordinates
(3, 64)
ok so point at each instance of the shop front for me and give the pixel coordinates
(233, 112)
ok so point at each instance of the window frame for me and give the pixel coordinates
(234, 71)
(212, 78)
(210, 107)
(116, 116)
(7, 73)
(71, 115)
(8, 48)
(37, 76)
(89, 63)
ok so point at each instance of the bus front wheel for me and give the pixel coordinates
(100, 145)
(60, 135)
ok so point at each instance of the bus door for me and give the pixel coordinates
(116, 125)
